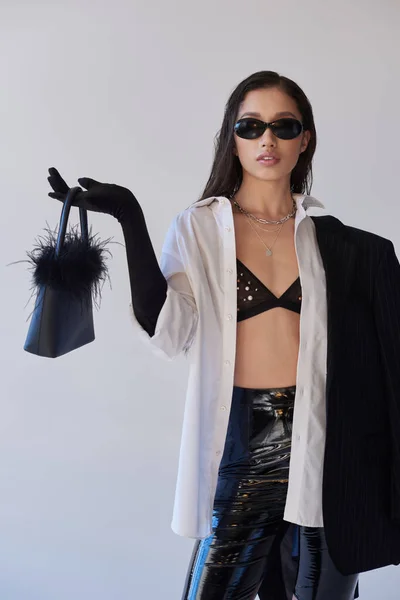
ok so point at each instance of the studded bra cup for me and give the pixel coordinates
(253, 297)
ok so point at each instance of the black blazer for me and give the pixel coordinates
(361, 480)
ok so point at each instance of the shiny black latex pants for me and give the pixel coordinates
(252, 550)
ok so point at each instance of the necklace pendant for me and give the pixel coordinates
(268, 252)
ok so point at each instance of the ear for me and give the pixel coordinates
(305, 140)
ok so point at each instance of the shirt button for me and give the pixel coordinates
(297, 437)
(227, 362)
(229, 317)
(223, 407)
(218, 452)
(227, 228)
(230, 271)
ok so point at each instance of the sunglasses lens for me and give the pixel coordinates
(285, 129)
(249, 129)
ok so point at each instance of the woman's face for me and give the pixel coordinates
(267, 104)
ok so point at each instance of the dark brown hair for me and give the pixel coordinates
(226, 171)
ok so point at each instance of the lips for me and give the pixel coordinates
(267, 155)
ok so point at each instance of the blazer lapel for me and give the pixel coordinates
(338, 256)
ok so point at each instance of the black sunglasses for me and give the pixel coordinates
(285, 129)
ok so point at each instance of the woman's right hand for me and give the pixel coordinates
(100, 197)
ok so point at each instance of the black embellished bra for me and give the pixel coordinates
(253, 297)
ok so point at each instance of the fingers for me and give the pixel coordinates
(56, 181)
(57, 196)
(88, 183)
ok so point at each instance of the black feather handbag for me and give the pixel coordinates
(67, 273)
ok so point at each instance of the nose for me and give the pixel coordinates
(268, 138)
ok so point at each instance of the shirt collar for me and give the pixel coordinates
(302, 200)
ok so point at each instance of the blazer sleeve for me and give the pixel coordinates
(386, 305)
(177, 321)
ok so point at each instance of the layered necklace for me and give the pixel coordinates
(249, 216)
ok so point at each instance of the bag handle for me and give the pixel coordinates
(72, 192)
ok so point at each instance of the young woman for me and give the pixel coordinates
(289, 472)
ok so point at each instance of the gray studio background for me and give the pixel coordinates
(133, 93)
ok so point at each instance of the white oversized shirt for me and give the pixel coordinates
(198, 319)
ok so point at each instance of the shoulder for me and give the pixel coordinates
(353, 234)
(207, 205)
(185, 224)
(198, 212)
(371, 248)
(364, 236)
(374, 247)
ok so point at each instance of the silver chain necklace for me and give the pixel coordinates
(265, 221)
(268, 250)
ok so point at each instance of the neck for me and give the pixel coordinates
(272, 204)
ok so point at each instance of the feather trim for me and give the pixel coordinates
(80, 268)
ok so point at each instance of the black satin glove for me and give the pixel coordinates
(147, 282)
